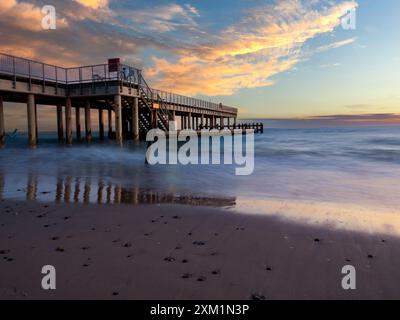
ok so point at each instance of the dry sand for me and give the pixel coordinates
(184, 252)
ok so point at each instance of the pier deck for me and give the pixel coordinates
(132, 105)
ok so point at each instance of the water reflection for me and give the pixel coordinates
(68, 189)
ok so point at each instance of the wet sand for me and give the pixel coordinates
(185, 252)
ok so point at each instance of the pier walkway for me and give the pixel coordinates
(121, 90)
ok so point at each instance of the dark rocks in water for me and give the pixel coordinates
(268, 268)
(115, 293)
(169, 259)
(186, 275)
(59, 249)
(127, 245)
(316, 240)
(185, 261)
(201, 279)
(256, 296)
(370, 256)
(199, 243)
(215, 272)
(5, 251)
(54, 238)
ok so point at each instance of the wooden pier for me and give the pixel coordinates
(133, 107)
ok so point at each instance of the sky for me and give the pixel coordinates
(287, 59)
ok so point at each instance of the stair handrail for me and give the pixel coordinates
(163, 108)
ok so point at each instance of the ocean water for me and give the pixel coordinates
(340, 166)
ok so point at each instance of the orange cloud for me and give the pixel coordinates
(94, 4)
(267, 42)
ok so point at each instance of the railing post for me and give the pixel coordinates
(44, 79)
(55, 70)
(14, 74)
(29, 74)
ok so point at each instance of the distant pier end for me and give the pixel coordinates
(133, 107)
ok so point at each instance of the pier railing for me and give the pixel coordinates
(16, 67)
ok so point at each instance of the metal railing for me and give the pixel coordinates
(127, 75)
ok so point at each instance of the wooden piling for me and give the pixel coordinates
(118, 118)
(78, 122)
(135, 119)
(88, 122)
(2, 127)
(31, 120)
(101, 124)
(60, 126)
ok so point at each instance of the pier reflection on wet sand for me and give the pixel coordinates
(86, 190)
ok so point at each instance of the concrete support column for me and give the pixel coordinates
(60, 126)
(183, 122)
(68, 121)
(202, 120)
(135, 119)
(78, 122)
(118, 118)
(190, 120)
(31, 120)
(101, 124)
(154, 119)
(109, 123)
(2, 128)
(88, 122)
(221, 122)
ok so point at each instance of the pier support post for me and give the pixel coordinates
(101, 124)
(221, 122)
(78, 122)
(118, 118)
(154, 119)
(135, 119)
(88, 122)
(68, 121)
(109, 123)
(189, 120)
(31, 120)
(60, 126)
(202, 120)
(2, 128)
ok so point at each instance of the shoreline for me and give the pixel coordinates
(179, 252)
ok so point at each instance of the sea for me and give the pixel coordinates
(343, 176)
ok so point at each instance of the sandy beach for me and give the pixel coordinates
(185, 252)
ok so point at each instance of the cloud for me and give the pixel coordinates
(331, 65)
(336, 45)
(266, 42)
(166, 18)
(94, 4)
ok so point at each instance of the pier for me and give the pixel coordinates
(132, 107)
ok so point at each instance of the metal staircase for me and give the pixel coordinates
(146, 101)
